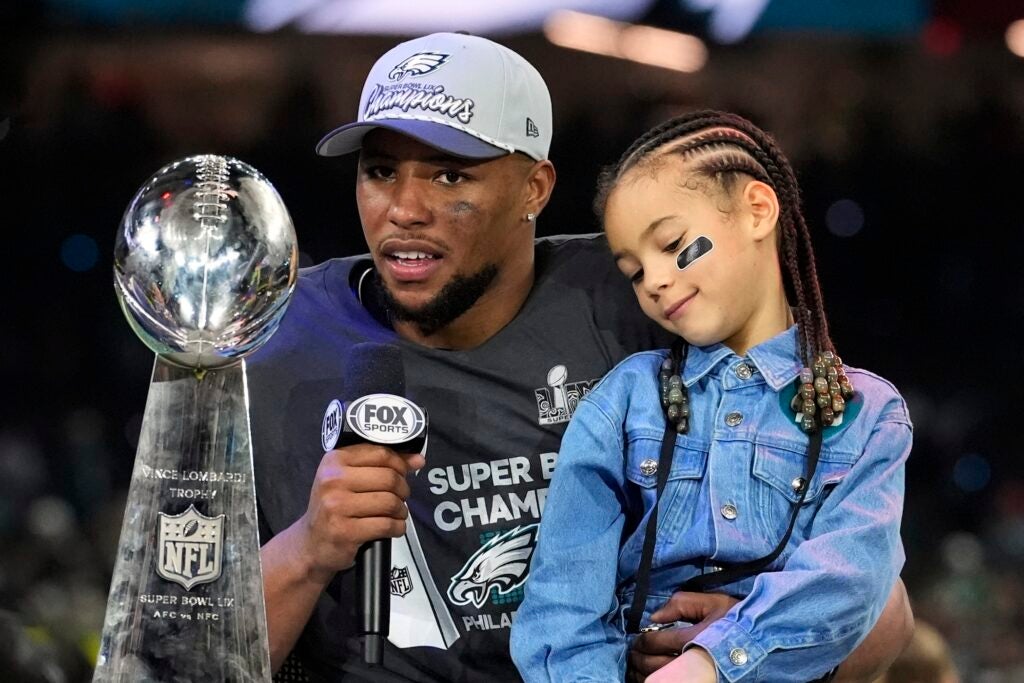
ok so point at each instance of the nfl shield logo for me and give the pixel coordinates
(190, 547)
(401, 582)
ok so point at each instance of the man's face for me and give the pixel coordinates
(438, 227)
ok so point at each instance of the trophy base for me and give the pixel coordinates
(186, 599)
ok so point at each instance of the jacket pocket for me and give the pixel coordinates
(643, 454)
(779, 476)
(641, 471)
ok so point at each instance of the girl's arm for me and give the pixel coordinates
(562, 630)
(799, 623)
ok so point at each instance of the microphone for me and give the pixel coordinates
(379, 413)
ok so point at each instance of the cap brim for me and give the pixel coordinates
(450, 140)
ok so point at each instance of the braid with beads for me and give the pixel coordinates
(721, 146)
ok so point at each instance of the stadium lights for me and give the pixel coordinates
(643, 44)
(1015, 37)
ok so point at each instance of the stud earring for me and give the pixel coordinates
(531, 217)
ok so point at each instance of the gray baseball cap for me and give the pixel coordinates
(461, 94)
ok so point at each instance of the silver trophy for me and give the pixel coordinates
(204, 264)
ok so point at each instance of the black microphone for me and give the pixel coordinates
(379, 413)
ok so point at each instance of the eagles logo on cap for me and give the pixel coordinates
(417, 65)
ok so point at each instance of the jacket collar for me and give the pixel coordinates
(777, 359)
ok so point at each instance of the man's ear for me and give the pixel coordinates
(763, 204)
(539, 184)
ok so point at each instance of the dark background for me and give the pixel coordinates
(904, 120)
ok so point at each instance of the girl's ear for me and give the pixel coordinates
(763, 204)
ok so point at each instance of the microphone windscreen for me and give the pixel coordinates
(372, 368)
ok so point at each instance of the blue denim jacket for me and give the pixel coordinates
(796, 620)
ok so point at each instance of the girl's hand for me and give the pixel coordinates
(693, 666)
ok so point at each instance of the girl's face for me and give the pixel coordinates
(731, 294)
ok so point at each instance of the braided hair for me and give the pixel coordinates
(721, 147)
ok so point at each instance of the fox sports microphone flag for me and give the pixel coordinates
(379, 413)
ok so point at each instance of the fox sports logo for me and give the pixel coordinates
(331, 428)
(386, 418)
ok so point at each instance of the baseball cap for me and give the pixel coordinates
(464, 95)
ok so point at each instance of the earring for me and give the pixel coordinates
(531, 217)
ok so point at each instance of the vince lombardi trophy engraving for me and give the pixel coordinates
(204, 263)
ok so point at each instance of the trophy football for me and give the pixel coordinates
(204, 263)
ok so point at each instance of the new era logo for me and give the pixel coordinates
(531, 129)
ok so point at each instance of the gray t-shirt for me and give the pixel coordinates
(496, 416)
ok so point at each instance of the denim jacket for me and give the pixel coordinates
(728, 499)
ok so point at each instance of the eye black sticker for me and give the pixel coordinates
(693, 251)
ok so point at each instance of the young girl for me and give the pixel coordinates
(747, 459)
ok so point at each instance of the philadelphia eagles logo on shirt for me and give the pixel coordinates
(500, 563)
(417, 65)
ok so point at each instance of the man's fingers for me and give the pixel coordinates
(367, 479)
(358, 495)
(682, 607)
(669, 640)
(371, 504)
(371, 528)
(664, 642)
(645, 665)
(693, 607)
(370, 455)
(654, 649)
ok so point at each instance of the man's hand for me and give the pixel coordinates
(654, 649)
(358, 495)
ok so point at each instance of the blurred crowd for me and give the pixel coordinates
(909, 163)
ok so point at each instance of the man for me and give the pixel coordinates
(499, 338)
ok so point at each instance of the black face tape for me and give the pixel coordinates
(693, 251)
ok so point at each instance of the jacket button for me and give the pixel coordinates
(799, 484)
(648, 467)
(729, 511)
(738, 656)
(743, 371)
(734, 418)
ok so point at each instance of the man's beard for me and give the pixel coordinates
(456, 297)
